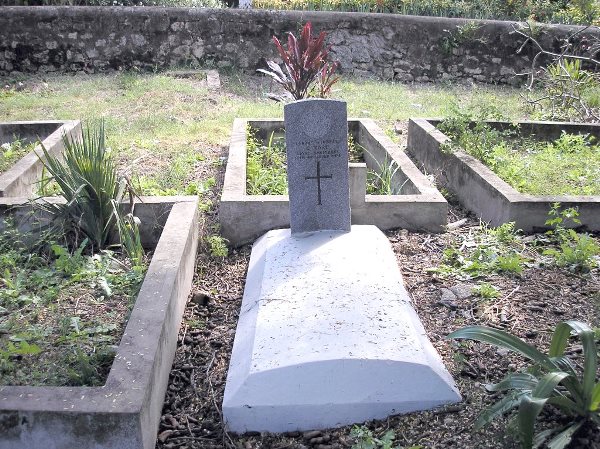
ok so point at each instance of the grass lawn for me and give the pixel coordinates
(163, 129)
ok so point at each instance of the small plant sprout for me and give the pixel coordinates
(217, 246)
(485, 290)
(365, 439)
(307, 70)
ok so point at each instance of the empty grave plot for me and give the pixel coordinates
(386, 189)
(20, 167)
(107, 388)
(505, 172)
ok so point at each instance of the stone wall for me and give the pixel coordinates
(404, 48)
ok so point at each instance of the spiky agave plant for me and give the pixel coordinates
(87, 178)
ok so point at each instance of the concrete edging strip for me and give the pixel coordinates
(480, 190)
(246, 217)
(125, 412)
(19, 180)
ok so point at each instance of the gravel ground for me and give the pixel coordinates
(529, 305)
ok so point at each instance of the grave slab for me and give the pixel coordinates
(327, 336)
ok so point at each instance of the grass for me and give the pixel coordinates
(160, 128)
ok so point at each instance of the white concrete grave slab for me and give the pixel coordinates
(327, 336)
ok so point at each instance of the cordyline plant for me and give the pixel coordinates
(551, 380)
(305, 61)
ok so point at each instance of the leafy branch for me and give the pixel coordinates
(565, 84)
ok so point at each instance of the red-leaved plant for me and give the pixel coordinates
(305, 62)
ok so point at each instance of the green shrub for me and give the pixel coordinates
(308, 72)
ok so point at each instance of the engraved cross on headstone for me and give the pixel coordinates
(318, 178)
(316, 134)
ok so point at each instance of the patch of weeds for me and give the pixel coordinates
(380, 181)
(365, 439)
(63, 311)
(485, 290)
(195, 323)
(454, 39)
(11, 152)
(567, 165)
(266, 169)
(150, 186)
(217, 246)
(200, 188)
(205, 205)
(355, 151)
(469, 132)
(574, 251)
(484, 251)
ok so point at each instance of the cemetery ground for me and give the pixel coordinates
(171, 136)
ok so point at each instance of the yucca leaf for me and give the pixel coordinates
(563, 439)
(590, 352)
(504, 340)
(504, 405)
(590, 364)
(595, 403)
(548, 383)
(564, 364)
(566, 405)
(531, 405)
(518, 381)
(541, 437)
(529, 409)
(560, 339)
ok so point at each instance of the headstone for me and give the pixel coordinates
(316, 135)
(327, 335)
